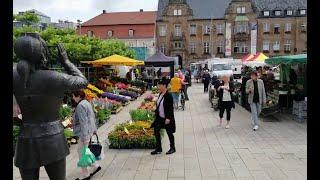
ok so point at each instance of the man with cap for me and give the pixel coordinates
(164, 118)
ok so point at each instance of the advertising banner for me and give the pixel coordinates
(253, 38)
(228, 40)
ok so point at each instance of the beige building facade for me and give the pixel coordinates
(195, 31)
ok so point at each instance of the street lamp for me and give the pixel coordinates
(79, 24)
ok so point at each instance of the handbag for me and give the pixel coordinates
(95, 147)
(87, 158)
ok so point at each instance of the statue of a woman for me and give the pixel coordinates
(39, 93)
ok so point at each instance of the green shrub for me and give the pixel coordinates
(64, 112)
(141, 115)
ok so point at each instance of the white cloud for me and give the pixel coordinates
(81, 9)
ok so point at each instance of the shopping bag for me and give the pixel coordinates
(95, 147)
(87, 157)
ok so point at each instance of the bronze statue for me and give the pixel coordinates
(39, 93)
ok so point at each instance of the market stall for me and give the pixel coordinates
(159, 60)
(256, 60)
(291, 91)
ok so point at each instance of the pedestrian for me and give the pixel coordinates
(176, 86)
(256, 97)
(84, 126)
(206, 80)
(164, 118)
(187, 81)
(244, 99)
(159, 73)
(129, 75)
(225, 102)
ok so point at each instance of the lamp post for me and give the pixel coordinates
(79, 24)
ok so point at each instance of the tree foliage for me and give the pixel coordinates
(79, 48)
(27, 18)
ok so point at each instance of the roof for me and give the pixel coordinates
(159, 57)
(215, 9)
(280, 4)
(204, 10)
(117, 18)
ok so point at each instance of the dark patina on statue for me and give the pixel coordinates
(39, 93)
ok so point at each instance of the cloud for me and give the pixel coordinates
(81, 9)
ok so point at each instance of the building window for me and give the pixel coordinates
(266, 45)
(240, 48)
(303, 12)
(241, 28)
(220, 46)
(277, 13)
(163, 48)
(162, 30)
(192, 47)
(177, 12)
(177, 30)
(276, 46)
(289, 12)
(90, 33)
(266, 13)
(288, 27)
(206, 47)
(207, 29)
(130, 32)
(241, 10)
(287, 46)
(177, 45)
(110, 33)
(276, 29)
(266, 27)
(193, 29)
(219, 29)
(303, 27)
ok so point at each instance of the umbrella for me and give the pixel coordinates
(115, 60)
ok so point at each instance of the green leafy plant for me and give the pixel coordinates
(103, 115)
(141, 115)
(68, 133)
(64, 112)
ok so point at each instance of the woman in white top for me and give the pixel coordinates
(226, 102)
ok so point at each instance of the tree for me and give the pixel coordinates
(79, 48)
(27, 18)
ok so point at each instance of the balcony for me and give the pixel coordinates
(241, 36)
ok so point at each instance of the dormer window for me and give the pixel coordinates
(289, 12)
(130, 32)
(110, 33)
(177, 12)
(266, 13)
(277, 13)
(241, 10)
(303, 12)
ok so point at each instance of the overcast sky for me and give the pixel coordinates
(82, 9)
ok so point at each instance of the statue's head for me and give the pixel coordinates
(32, 48)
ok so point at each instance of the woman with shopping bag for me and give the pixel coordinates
(84, 127)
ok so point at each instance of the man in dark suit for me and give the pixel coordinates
(164, 118)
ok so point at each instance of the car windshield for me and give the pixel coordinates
(221, 67)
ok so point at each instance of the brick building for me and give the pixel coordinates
(194, 30)
(136, 29)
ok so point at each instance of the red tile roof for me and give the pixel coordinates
(116, 18)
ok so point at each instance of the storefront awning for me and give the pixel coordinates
(114, 60)
(241, 18)
(288, 60)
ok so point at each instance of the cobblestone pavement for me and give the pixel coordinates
(277, 151)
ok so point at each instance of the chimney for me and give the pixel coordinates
(141, 10)
(104, 11)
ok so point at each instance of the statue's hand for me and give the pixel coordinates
(63, 57)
